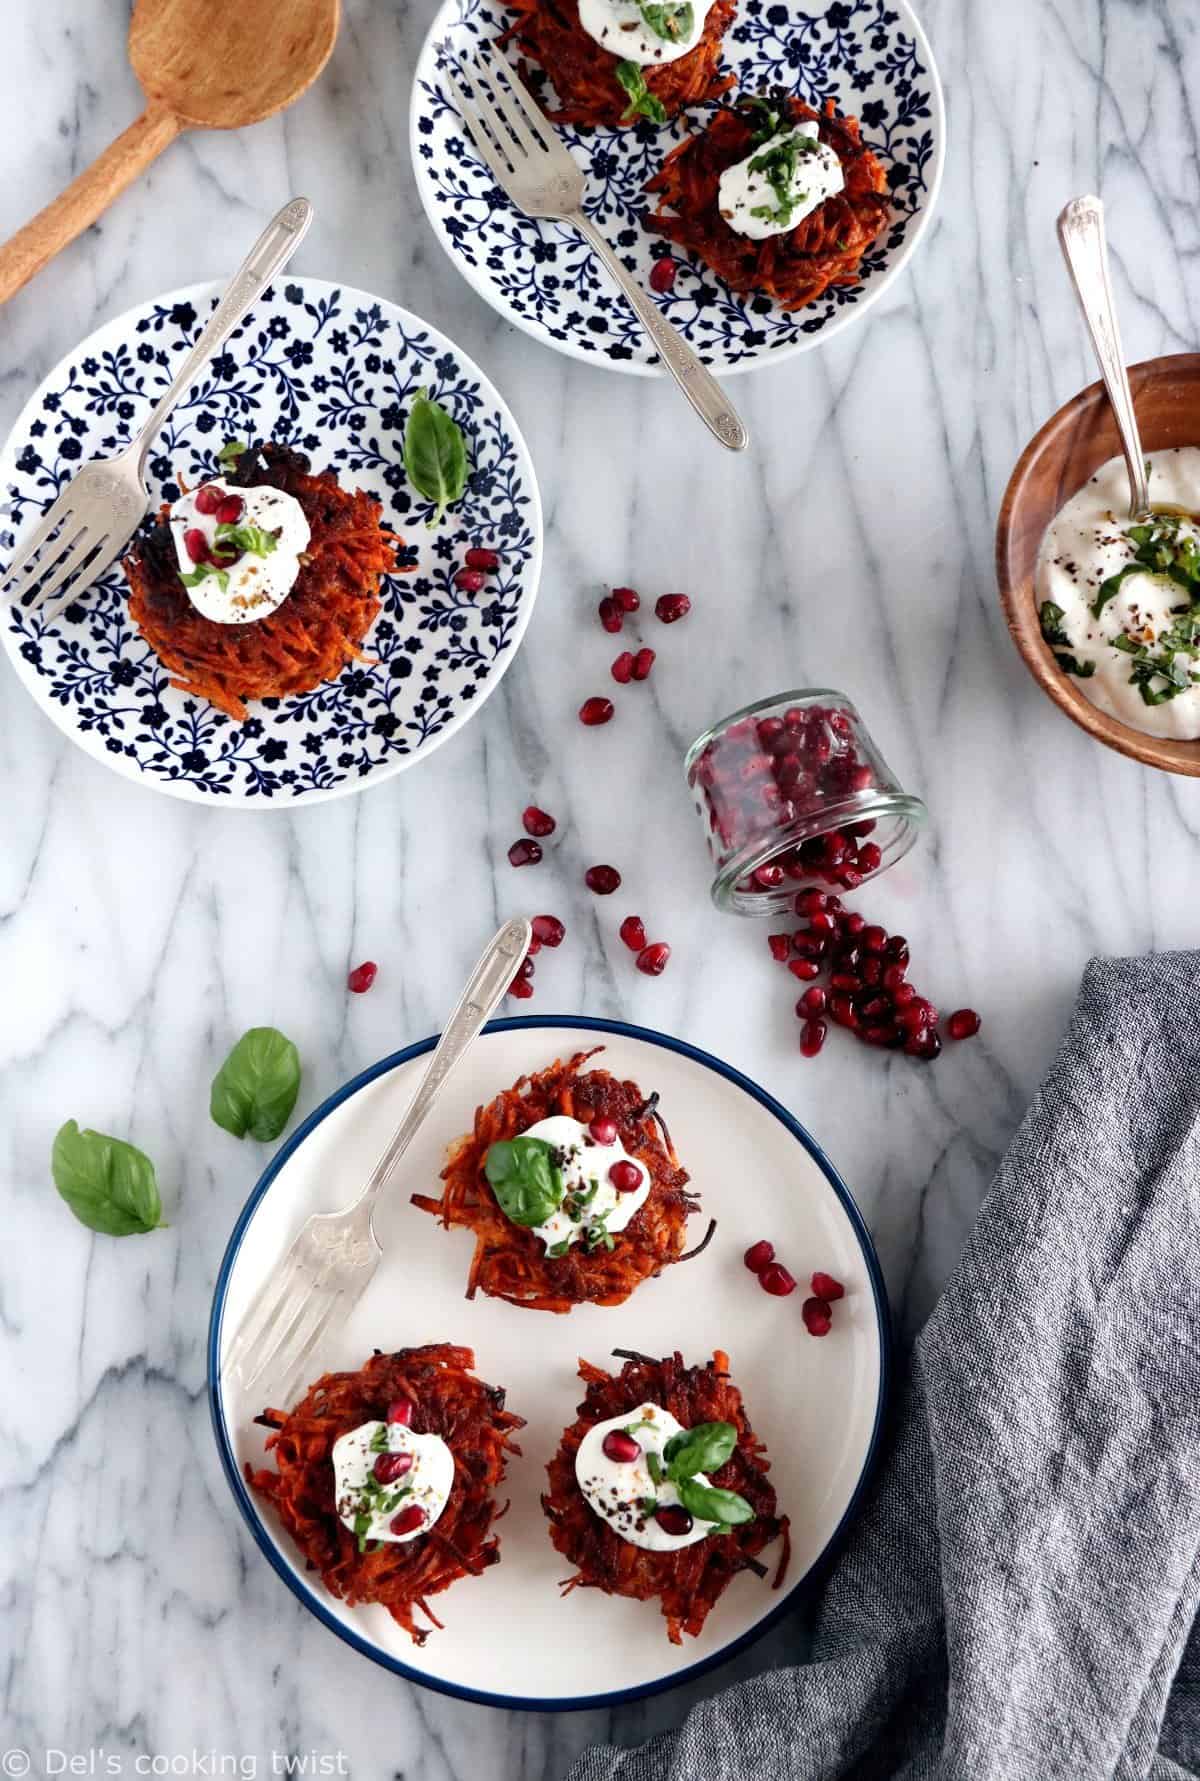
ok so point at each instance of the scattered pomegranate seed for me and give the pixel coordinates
(926, 1044)
(874, 939)
(622, 668)
(653, 959)
(526, 967)
(362, 977)
(775, 1279)
(595, 711)
(521, 988)
(621, 1447)
(812, 1037)
(408, 1520)
(400, 1410)
(627, 599)
(818, 1318)
(537, 822)
(811, 1003)
(390, 1466)
(758, 1255)
(547, 930)
(781, 946)
(643, 661)
(854, 923)
(625, 1177)
(673, 1518)
(229, 511)
(470, 581)
(603, 1131)
(604, 880)
(827, 1288)
(611, 616)
(524, 853)
(196, 544)
(209, 498)
(662, 274)
(633, 932)
(671, 607)
(805, 969)
(964, 1023)
(477, 558)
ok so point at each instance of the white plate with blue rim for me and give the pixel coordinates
(509, 1637)
(331, 371)
(870, 56)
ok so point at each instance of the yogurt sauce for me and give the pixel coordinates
(1135, 638)
(627, 28)
(778, 184)
(618, 1490)
(365, 1505)
(591, 1205)
(253, 585)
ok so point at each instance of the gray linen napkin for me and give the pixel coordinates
(1017, 1601)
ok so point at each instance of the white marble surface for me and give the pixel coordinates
(851, 547)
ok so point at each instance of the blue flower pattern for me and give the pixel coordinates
(321, 370)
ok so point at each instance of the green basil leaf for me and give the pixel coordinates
(201, 570)
(254, 539)
(672, 21)
(527, 1186)
(1051, 617)
(231, 451)
(642, 102)
(1072, 665)
(654, 1466)
(435, 455)
(704, 1448)
(255, 1089)
(109, 1185)
(707, 1503)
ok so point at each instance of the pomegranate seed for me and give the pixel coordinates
(662, 275)
(547, 930)
(477, 558)
(875, 1007)
(196, 544)
(827, 1288)
(524, 853)
(854, 923)
(621, 1447)
(521, 988)
(603, 1131)
(775, 1279)
(818, 1318)
(823, 923)
(811, 1003)
(893, 977)
(897, 949)
(964, 1023)
(924, 1044)
(673, 1518)
(903, 993)
(537, 822)
(807, 969)
(911, 1016)
(768, 877)
(653, 959)
(860, 830)
(625, 1177)
(809, 946)
(633, 932)
(390, 1466)
(874, 939)
(362, 977)
(810, 902)
(596, 711)
(850, 878)
(626, 599)
(758, 1255)
(780, 945)
(230, 510)
(841, 1009)
(400, 1410)
(812, 1037)
(670, 607)
(871, 971)
(611, 616)
(209, 498)
(526, 969)
(470, 581)
(604, 880)
(845, 981)
(643, 661)
(408, 1520)
(869, 858)
(622, 668)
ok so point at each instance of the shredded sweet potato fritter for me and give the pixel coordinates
(509, 1261)
(794, 268)
(690, 1581)
(310, 637)
(448, 1401)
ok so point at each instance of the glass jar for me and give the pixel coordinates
(793, 792)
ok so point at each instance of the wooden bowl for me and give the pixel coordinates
(1054, 466)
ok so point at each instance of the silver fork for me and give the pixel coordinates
(523, 152)
(96, 515)
(335, 1254)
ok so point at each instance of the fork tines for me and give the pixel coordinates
(506, 126)
(60, 546)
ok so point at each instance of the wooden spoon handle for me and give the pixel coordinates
(85, 198)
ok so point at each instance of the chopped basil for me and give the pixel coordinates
(525, 1180)
(779, 161)
(1170, 664)
(654, 1467)
(557, 1249)
(245, 538)
(642, 102)
(1051, 617)
(231, 451)
(672, 21)
(764, 118)
(201, 570)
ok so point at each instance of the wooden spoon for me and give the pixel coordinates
(201, 66)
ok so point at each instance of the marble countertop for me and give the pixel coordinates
(851, 547)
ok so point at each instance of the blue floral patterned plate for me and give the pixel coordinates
(870, 56)
(331, 371)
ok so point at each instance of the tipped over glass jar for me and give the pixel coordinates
(793, 792)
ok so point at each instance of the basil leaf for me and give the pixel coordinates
(642, 102)
(231, 451)
(704, 1448)
(672, 21)
(654, 1466)
(201, 570)
(255, 1089)
(527, 1186)
(1051, 617)
(1072, 665)
(435, 455)
(254, 539)
(707, 1503)
(1108, 589)
(109, 1185)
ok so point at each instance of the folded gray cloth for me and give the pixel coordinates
(1019, 1600)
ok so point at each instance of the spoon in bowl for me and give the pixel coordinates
(1085, 249)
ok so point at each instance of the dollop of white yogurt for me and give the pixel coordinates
(619, 1491)
(254, 585)
(590, 1204)
(1085, 544)
(367, 1506)
(748, 201)
(623, 28)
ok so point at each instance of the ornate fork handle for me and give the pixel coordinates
(698, 384)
